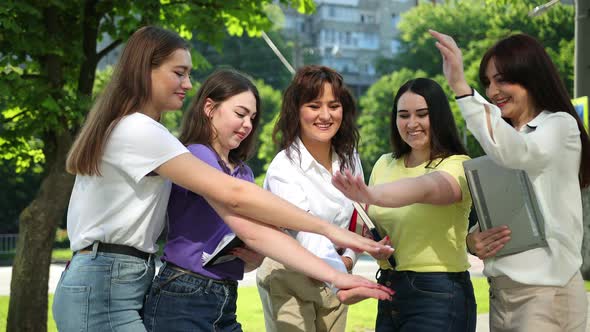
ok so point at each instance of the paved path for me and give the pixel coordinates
(366, 267)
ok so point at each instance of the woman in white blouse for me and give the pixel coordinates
(531, 125)
(317, 137)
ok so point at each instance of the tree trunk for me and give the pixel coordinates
(37, 224)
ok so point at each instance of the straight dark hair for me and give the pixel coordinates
(522, 60)
(444, 136)
(196, 126)
(128, 91)
(307, 85)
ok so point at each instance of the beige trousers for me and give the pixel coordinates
(293, 302)
(519, 307)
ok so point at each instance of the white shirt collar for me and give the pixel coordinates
(307, 161)
(538, 119)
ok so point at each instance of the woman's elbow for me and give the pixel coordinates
(236, 196)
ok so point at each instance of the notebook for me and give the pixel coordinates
(221, 253)
(504, 196)
(371, 226)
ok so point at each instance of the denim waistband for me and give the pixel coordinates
(179, 269)
(388, 273)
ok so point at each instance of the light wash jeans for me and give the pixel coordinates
(102, 292)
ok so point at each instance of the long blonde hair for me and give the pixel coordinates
(128, 91)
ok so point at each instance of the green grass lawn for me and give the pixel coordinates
(57, 255)
(361, 316)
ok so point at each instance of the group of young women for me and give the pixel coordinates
(132, 175)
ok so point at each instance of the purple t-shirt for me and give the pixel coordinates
(195, 227)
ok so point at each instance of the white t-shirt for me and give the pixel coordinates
(127, 204)
(307, 184)
(548, 148)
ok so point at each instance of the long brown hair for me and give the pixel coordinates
(522, 60)
(306, 86)
(218, 87)
(128, 91)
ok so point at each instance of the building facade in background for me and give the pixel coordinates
(347, 35)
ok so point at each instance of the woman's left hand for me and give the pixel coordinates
(252, 259)
(452, 63)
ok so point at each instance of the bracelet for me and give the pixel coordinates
(467, 95)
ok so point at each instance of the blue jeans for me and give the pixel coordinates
(102, 292)
(179, 301)
(427, 301)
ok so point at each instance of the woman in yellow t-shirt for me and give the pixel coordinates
(418, 196)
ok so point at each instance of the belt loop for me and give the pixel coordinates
(208, 287)
(94, 249)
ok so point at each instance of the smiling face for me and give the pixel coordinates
(413, 122)
(320, 118)
(170, 82)
(231, 121)
(513, 99)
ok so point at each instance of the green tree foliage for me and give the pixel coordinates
(251, 56)
(271, 106)
(48, 60)
(475, 25)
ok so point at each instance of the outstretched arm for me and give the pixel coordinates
(246, 199)
(439, 188)
(271, 242)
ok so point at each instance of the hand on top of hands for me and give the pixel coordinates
(354, 289)
(384, 255)
(343, 238)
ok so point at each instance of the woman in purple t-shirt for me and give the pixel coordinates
(188, 294)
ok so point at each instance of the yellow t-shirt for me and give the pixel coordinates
(426, 237)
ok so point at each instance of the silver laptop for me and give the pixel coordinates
(504, 196)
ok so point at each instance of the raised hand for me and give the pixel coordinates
(486, 244)
(452, 63)
(353, 187)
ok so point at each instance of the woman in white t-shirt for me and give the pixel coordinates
(122, 159)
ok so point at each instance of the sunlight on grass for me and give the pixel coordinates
(61, 254)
